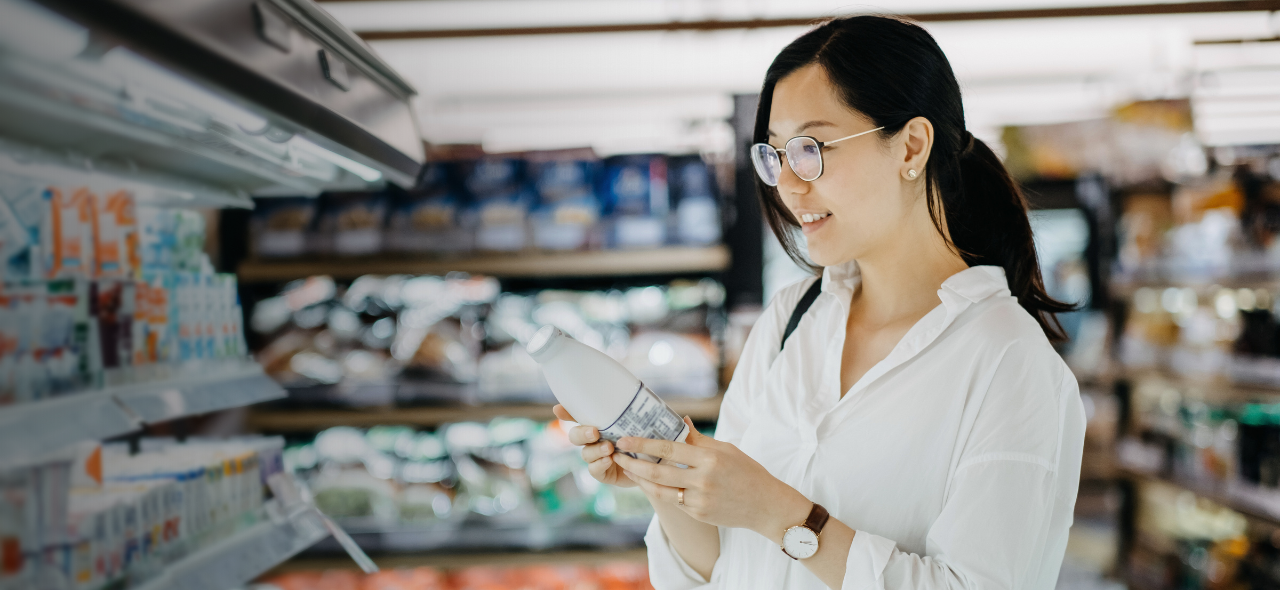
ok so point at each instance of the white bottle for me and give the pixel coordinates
(600, 392)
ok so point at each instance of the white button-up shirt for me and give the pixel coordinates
(956, 458)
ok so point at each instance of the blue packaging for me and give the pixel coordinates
(279, 226)
(635, 193)
(501, 200)
(568, 208)
(697, 218)
(434, 216)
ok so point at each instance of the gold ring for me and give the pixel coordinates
(680, 496)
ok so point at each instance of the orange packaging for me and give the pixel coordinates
(68, 233)
(117, 236)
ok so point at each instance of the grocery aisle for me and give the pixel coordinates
(269, 269)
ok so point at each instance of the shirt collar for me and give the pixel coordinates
(966, 287)
(972, 285)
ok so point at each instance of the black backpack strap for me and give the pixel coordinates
(806, 301)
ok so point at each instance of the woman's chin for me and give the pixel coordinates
(824, 259)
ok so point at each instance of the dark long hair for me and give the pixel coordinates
(892, 71)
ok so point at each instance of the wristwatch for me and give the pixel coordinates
(801, 541)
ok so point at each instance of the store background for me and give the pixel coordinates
(584, 169)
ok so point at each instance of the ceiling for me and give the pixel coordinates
(671, 90)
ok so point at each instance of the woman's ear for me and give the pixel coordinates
(917, 137)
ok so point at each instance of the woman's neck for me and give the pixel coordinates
(904, 281)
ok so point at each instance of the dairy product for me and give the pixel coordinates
(600, 392)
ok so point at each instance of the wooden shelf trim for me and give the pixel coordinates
(314, 420)
(675, 260)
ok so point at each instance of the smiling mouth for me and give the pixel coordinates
(812, 217)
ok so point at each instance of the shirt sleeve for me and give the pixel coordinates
(667, 570)
(997, 528)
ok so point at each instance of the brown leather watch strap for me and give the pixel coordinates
(818, 518)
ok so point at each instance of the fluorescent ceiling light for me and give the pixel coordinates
(38, 32)
(364, 172)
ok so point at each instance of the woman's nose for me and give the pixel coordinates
(789, 183)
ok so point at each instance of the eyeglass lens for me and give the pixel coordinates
(803, 155)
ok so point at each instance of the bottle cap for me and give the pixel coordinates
(541, 341)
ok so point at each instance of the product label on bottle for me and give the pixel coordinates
(647, 417)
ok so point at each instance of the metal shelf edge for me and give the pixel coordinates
(243, 556)
(28, 432)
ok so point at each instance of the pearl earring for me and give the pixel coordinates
(911, 174)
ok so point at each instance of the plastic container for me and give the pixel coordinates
(600, 392)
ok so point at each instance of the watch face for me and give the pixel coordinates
(800, 542)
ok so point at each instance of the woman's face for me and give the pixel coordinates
(860, 195)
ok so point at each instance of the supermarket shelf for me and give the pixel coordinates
(283, 420)
(674, 260)
(30, 431)
(1245, 498)
(1244, 270)
(452, 560)
(1244, 375)
(472, 536)
(240, 558)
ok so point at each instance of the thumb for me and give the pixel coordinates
(694, 437)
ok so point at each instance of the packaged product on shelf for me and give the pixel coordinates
(144, 510)
(67, 233)
(635, 193)
(697, 212)
(189, 237)
(157, 238)
(117, 236)
(502, 202)
(279, 226)
(349, 224)
(14, 242)
(567, 209)
(435, 217)
(24, 202)
(112, 308)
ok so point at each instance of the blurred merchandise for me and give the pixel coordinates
(98, 291)
(502, 199)
(1188, 542)
(434, 217)
(349, 224)
(99, 514)
(280, 225)
(1205, 333)
(635, 191)
(610, 576)
(427, 339)
(568, 208)
(542, 202)
(398, 489)
(1141, 141)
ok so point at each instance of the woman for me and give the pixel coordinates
(919, 400)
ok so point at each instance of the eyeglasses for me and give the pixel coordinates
(804, 155)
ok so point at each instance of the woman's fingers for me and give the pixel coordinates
(562, 413)
(655, 490)
(583, 435)
(599, 468)
(664, 449)
(662, 474)
(596, 451)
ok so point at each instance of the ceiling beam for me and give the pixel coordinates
(719, 25)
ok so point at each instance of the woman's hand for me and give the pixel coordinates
(722, 485)
(597, 453)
